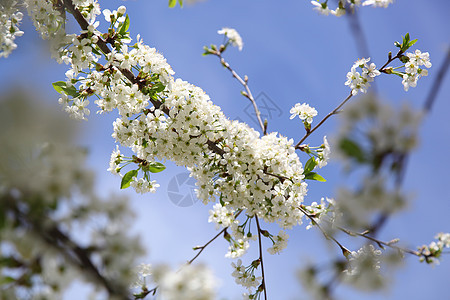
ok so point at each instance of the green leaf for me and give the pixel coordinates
(310, 165)
(314, 176)
(61, 87)
(158, 87)
(156, 167)
(351, 149)
(125, 25)
(127, 178)
(58, 86)
(406, 38)
(6, 280)
(180, 2)
(72, 91)
(172, 3)
(412, 42)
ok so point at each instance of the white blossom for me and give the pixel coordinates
(321, 7)
(245, 275)
(233, 36)
(304, 112)
(280, 243)
(323, 153)
(413, 72)
(360, 82)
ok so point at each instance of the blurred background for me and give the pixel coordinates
(291, 54)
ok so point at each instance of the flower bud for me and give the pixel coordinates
(121, 10)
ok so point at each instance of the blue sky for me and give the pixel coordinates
(291, 54)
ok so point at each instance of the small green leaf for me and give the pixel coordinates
(314, 176)
(127, 178)
(352, 149)
(406, 39)
(310, 165)
(180, 2)
(6, 280)
(72, 91)
(61, 87)
(156, 167)
(158, 87)
(412, 42)
(172, 3)
(125, 25)
(58, 86)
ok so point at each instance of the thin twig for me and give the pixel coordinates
(247, 93)
(335, 111)
(201, 248)
(379, 242)
(344, 250)
(263, 283)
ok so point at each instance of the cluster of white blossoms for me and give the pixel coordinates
(431, 253)
(343, 5)
(46, 19)
(412, 68)
(166, 119)
(320, 211)
(233, 36)
(190, 282)
(221, 216)
(361, 81)
(363, 268)
(90, 9)
(245, 275)
(305, 112)
(279, 242)
(10, 19)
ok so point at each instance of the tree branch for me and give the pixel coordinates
(247, 94)
(263, 283)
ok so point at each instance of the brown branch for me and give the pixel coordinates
(75, 254)
(263, 283)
